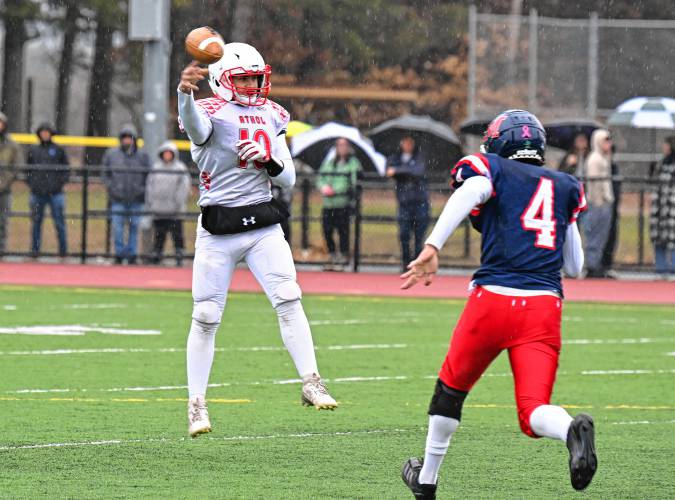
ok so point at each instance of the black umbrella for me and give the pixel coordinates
(436, 140)
(475, 126)
(561, 133)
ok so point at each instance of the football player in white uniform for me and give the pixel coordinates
(238, 142)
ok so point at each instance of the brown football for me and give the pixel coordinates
(204, 45)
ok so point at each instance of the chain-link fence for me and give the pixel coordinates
(565, 67)
(572, 68)
(373, 224)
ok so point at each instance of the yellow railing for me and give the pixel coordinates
(84, 141)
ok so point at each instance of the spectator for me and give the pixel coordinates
(10, 156)
(167, 191)
(662, 220)
(408, 168)
(337, 183)
(574, 161)
(46, 186)
(126, 191)
(598, 218)
(613, 238)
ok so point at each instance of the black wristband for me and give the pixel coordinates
(274, 167)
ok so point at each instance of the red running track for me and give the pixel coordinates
(313, 282)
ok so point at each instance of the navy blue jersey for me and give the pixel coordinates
(523, 224)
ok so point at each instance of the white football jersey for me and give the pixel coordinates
(224, 179)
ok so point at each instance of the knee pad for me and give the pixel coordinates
(447, 401)
(207, 312)
(287, 291)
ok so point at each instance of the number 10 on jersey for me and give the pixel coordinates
(539, 215)
(259, 136)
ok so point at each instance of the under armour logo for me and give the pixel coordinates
(526, 132)
(247, 221)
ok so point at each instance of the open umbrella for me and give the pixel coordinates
(436, 140)
(645, 112)
(475, 126)
(561, 133)
(313, 146)
(650, 113)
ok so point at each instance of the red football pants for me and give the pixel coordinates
(529, 327)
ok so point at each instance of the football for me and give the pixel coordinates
(204, 45)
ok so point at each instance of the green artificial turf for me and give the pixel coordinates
(120, 435)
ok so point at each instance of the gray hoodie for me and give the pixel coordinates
(126, 187)
(168, 185)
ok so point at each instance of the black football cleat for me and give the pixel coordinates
(410, 473)
(581, 444)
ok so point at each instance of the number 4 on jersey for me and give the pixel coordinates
(539, 216)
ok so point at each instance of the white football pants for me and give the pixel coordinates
(269, 258)
(266, 253)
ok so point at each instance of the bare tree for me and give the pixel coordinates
(15, 15)
(241, 20)
(100, 85)
(65, 69)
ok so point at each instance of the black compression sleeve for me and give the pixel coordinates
(274, 167)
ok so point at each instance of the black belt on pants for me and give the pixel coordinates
(220, 220)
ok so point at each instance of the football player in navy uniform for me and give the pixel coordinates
(526, 215)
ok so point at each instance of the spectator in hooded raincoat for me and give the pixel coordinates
(408, 169)
(125, 174)
(167, 191)
(46, 183)
(597, 221)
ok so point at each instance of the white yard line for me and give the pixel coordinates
(265, 348)
(644, 422)
(303, 435)
(72, 330)
(337, 380)
(625, 372)
(120, 350)
(9, 307)
(91, 306)
(642, 340)
(262, 437)
(373, 321)
(599, 319)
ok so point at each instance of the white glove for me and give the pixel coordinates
(252, 151)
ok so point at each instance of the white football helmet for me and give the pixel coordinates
(240, 59)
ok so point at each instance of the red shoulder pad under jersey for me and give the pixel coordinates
(281, 117)
(470, 166)
(580, 205)
(211, 104)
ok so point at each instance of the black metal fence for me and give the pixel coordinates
(373, 222)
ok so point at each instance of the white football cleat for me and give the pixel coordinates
(198, 416)
(314, 393)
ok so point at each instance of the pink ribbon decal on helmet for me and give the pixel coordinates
(526, 132)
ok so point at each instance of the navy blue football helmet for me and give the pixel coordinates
(517, 135)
